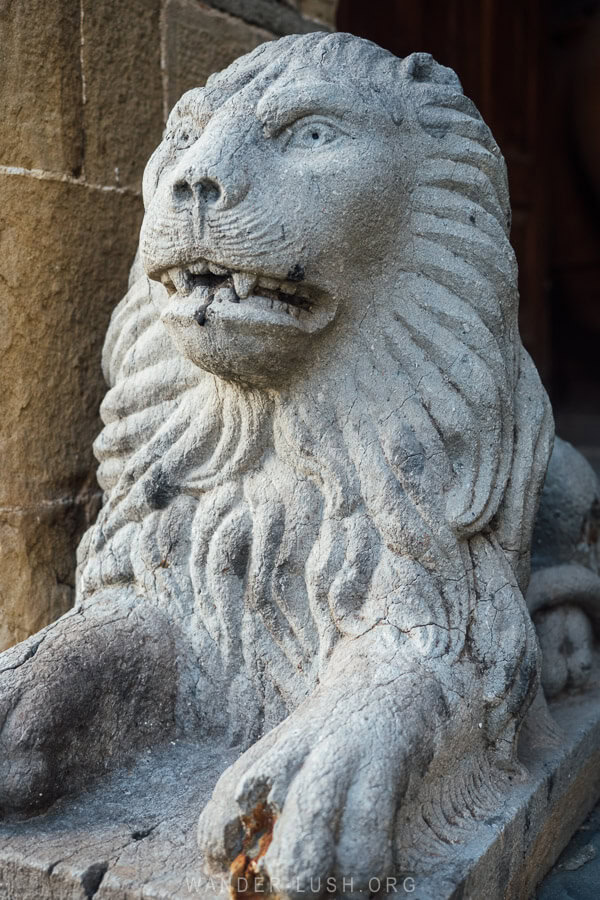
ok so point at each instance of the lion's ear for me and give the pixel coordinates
(423, 67)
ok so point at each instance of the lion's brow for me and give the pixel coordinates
(282, 105)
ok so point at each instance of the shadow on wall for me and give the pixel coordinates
(533, 69)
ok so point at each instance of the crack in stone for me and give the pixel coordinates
(29, 654)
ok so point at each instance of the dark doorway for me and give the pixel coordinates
(533, 69)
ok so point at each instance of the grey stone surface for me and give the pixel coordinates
(576, 875)
(132, 835)
(564, 590)
(323, 451)
(136, 829)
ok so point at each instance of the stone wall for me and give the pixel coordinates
(85, 86)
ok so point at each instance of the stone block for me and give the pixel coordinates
(40, 85)
(279, 16)
(577, 871)
(200, 41)
(64, 251)
(37, 561)
(319, 10)
(123, 88)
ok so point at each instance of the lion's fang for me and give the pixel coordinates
(244, 284)
(178, 278)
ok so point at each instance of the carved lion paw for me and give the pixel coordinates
(76, 697)
(30, 703)
(316, 799)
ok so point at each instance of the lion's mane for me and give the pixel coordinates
(439, 474)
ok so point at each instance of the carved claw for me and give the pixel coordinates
(317, 798)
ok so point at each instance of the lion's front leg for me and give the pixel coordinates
(317, 797)
(80, 695)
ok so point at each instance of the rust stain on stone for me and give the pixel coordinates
(246, 882)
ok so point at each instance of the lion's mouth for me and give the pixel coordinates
(212, 283)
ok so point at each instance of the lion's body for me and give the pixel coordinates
(224, 492)
(332, 509)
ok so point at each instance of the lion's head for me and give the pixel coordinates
(285, 194)
(341, 372)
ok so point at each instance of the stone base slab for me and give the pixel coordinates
(133, 835)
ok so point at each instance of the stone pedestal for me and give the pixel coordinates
(134, 835)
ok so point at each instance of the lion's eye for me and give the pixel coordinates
(310, 135)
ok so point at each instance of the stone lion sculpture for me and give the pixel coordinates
(323, 451)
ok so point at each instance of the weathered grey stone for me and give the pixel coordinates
(323, 450)
(135, 830)
(123, 112)
(577, 871)
(564, 590)
(568, 520)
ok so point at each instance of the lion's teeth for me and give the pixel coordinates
(217, 270)
(166, 280)
(295, 311)
(198, 268)
(270, 283)
(244, 284)
(288, 288)
(179, 280)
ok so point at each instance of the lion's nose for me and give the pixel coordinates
(197, 188)
(204, 190)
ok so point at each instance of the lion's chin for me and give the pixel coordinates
(256, 341)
